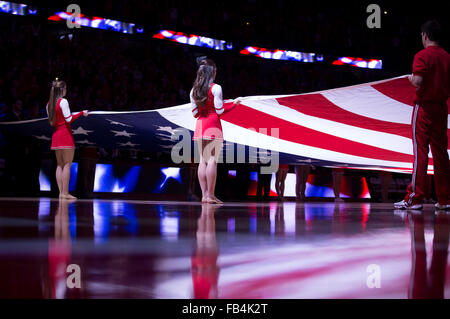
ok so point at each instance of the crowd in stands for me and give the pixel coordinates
(105, 70)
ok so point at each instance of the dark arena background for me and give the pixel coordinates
(330, 77)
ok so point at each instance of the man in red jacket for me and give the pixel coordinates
(431, 77)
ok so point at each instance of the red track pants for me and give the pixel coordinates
(429, 130)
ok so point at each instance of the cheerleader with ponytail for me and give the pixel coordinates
(60, 117)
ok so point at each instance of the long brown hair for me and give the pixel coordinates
(205, 75)
(56, 92)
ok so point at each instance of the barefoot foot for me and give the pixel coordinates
(214, 200)
(68, 196)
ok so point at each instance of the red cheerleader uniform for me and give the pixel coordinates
(208, 124)
(62, 135)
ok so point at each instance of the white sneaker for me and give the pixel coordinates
(404, 205)
(441, 207)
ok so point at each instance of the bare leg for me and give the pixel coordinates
(305, 172)
(212, 153)
(211, 175)
(201, 172)
(68, 158)
(337, 178)
(302, 172)
(59, 169)
(202, 179)
(277, 184)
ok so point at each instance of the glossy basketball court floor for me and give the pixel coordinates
(151, 249)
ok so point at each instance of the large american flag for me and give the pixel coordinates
(366, 126)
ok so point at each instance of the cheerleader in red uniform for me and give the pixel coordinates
(60, 118)
(207, 107)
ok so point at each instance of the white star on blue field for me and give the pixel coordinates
(170, 172)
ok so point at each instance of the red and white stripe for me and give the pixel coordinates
(366, 125)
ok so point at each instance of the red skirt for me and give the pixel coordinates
(62, 138)
(208, 127)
